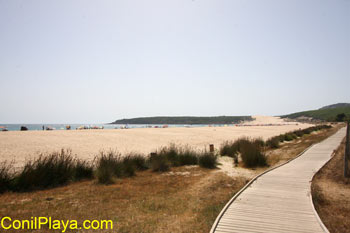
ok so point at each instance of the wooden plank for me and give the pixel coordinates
(279, 201)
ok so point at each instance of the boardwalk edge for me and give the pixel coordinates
(324, 228)
(268, 170)
(212, 230)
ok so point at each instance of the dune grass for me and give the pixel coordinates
(274, 142)
(175, 155)
(5, 176)
(82, 170)
(252, 154)
(59, 168)
(50, 170)
(159, 162)
(46, 171)
(286, 151)
(207, 160)
(112, 164)
(230, 149)
(108, 165)
(178, 155)
(250, 150)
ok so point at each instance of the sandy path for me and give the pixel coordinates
(21, 145)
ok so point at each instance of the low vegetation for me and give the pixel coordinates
(250, 151)
(82, 170)
(179, 155)
(252, 154)
(159, 163)
(60, 168)
(46, 171)
(207, 160)
(274, 142)
(5, 176)
(109, 165)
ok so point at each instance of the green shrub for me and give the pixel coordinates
(171, 154)
(82, 170)
(188, 156)
(109, 165)
(131, 163)
(298, 133)
(207, 160)
(281, 137)
(288, 137)
(104, 172)
(324, 126)
(175, 155)
(259, 141)
(232, 149)
(239, 142)
(128, 169)
(252, 155)
(5, 176)
(228, 149)
(159, 163)
(46, 171)
(273, 142)
(139, 161)
(307, 131)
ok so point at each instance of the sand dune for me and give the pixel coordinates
(20, 145)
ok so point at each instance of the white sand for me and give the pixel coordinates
(20, 145)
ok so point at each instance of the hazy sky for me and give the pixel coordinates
(95, 61)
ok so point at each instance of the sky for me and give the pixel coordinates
(89, 61)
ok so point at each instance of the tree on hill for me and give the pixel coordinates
(340, 117)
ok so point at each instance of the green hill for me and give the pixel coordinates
(339, 105)
(327, 113)
(184, 120)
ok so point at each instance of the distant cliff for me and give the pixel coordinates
(184, 120)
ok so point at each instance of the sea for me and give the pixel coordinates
(17, 127)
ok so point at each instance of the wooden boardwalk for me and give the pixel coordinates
(280, 200)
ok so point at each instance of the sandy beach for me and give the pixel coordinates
(18, 146)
